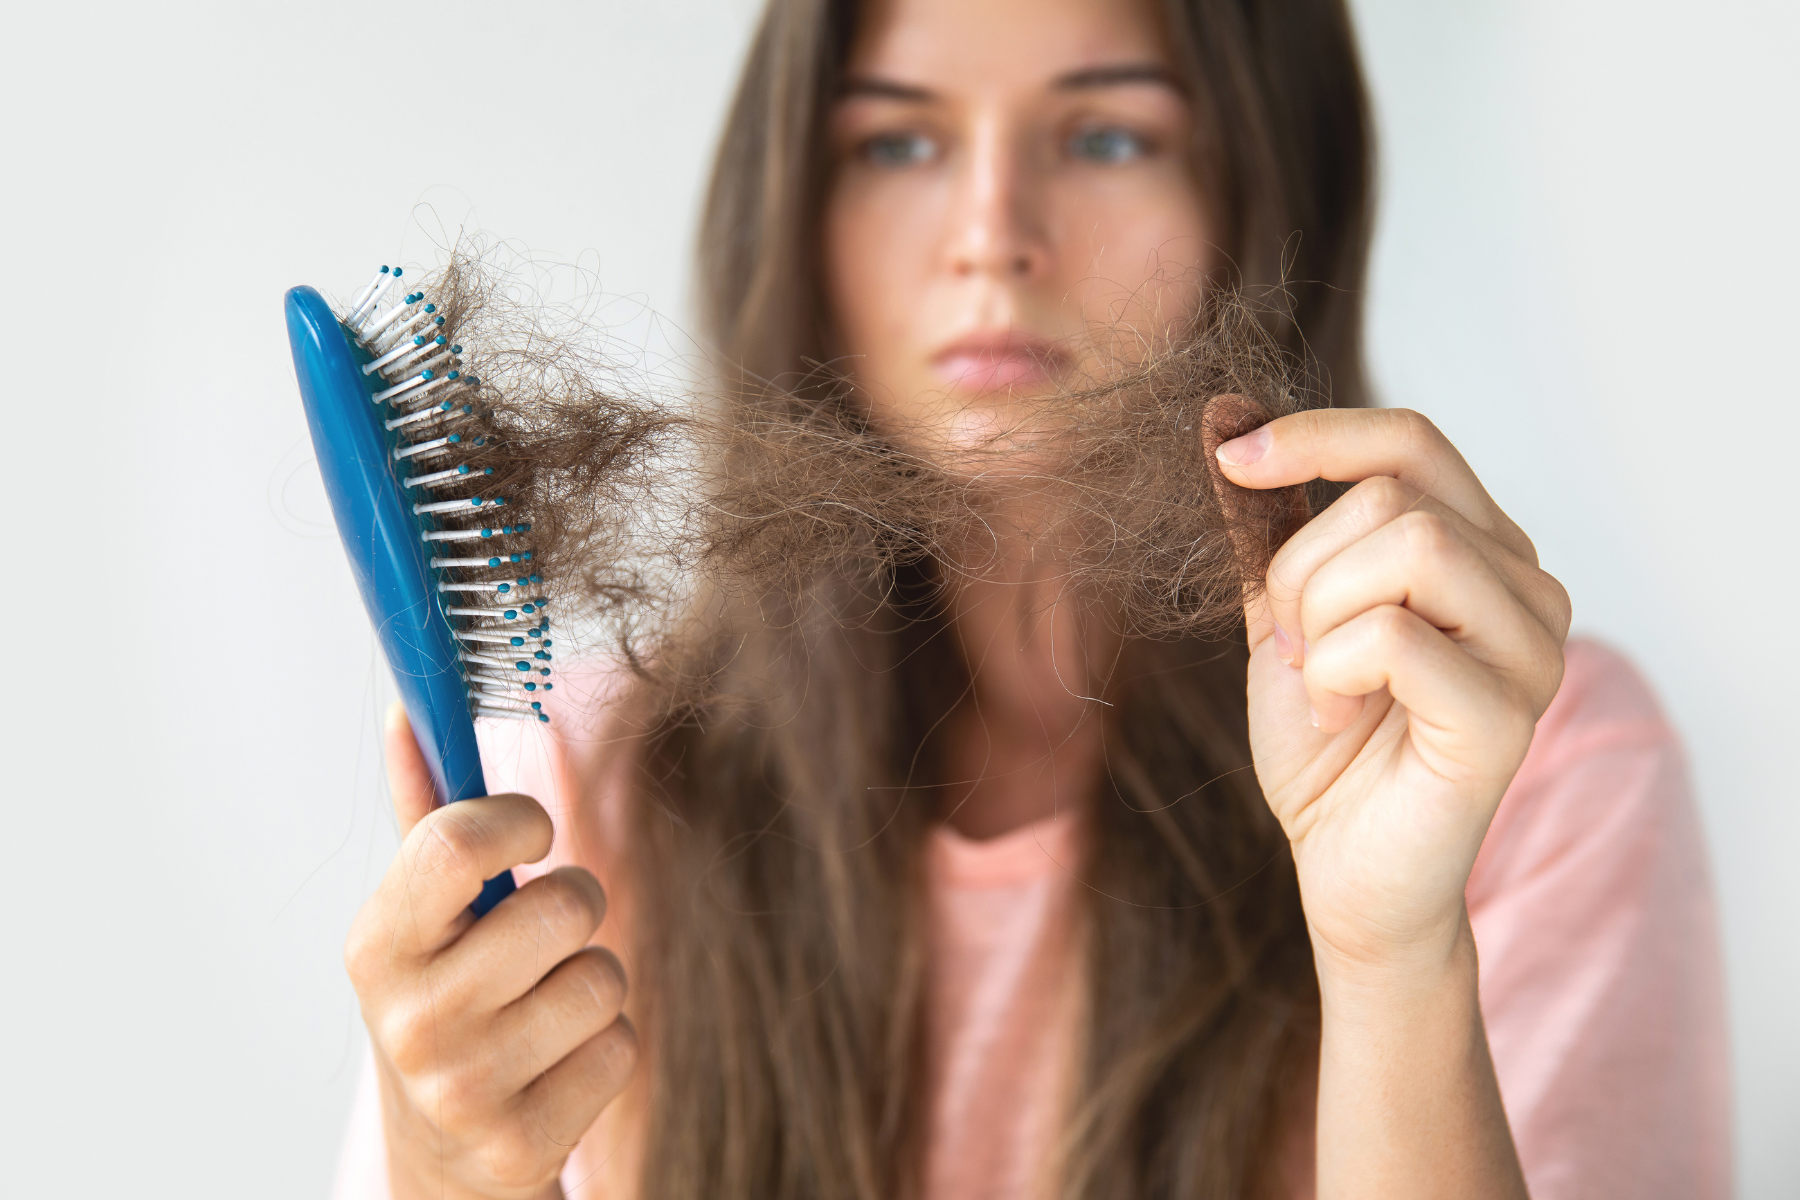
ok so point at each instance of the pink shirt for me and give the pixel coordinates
(1593, 915)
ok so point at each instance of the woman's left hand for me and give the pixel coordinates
(1401, 653)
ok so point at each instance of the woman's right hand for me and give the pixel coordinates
(499, 1040)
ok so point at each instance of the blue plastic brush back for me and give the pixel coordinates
(387, 557)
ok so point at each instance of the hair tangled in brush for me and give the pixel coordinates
(640, 504)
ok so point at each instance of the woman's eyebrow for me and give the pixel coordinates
(1115, 75)
(886, 89)
(1112, 75)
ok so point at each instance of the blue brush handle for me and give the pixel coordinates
(387, 556)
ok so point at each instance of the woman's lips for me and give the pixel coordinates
(992, 362)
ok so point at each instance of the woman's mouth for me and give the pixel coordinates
(997, 361)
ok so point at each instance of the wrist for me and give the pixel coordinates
(1394, 977)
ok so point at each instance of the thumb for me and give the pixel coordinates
(409, 779)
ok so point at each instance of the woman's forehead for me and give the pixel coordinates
(952, 47)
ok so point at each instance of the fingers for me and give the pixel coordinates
(565, 1102)
(1423, 562)
(421, 904)
(1429, 549)
(503, 956)
(1465, 721)
(1349, 445)
(409, 779)
(569, 1006)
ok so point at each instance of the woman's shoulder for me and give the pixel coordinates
(1601, 979)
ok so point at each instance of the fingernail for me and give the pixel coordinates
(1241, 452)
(1284, 649)
(1313, 714)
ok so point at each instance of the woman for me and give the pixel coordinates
(1089, 955)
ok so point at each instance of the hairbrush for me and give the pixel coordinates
(444, 568)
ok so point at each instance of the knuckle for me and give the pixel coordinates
(1561, 613)
(1415, 427)
(570, 902)
(1393, 626)
(400, 1041)
(450, 842)
(1429, 538)
(602, 977)
(366, 956)
(409, 1039)
(618, 1052)
(1381, 498)
(516, 1156)
(457, 1101)
(1543, 676)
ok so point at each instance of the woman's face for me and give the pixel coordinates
(1010, 176)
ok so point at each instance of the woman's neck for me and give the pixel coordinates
(1026, 743)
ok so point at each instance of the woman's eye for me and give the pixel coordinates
(899, 149)
(1107, 144)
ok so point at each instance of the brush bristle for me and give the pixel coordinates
(481, 559)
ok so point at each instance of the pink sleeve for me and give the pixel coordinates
(1601, 981)
(516, 756)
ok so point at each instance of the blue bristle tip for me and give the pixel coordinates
(456, 349)
(504, 588)
(531, 687)
(522, 665)
(454, 374)
(493, 562)
(537, 579)
(384, 270)
(548, 686)
(518, 641)
(511, 613)
(537, 704)
(428, 307)
(543, 718)
(544, 671)
(398, 272)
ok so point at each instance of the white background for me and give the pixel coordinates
(1585, 272)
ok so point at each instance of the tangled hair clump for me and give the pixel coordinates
(641, 504)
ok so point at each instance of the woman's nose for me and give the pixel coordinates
(995, 230)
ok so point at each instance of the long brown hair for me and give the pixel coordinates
(781, 839)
